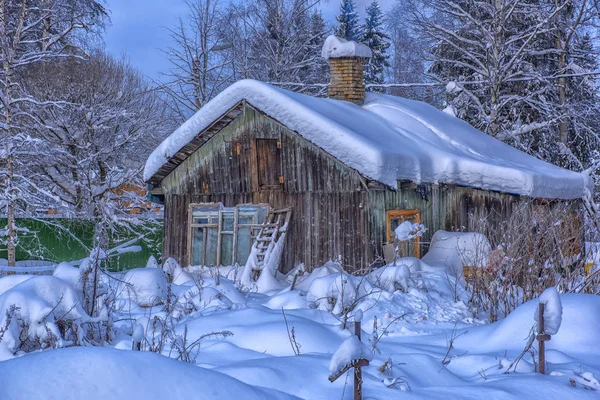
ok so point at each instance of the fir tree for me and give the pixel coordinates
(349, 27)
(318, 69)
(378, 41)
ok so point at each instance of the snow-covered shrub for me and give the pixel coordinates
(146, 286)
(338, 292)
(38, 313)
(535, 248)
(391, 277)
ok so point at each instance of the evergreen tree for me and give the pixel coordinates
(349, 26)
(378, 41)
(318, 69)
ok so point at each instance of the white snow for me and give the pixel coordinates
(407, 230)
(456, 250)
(101, 374)
(552, 310)
(335, 47)
(146, 286)
(350, 350)
(406, 335)
(389, 139)
(41, 302)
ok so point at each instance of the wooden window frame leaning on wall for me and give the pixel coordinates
(207, 216)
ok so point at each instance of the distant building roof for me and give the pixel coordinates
(388, 139)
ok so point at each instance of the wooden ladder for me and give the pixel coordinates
(275, 225)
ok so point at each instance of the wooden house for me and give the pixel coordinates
(350, 168)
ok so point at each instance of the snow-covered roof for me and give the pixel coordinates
(388, 139)
(335, 47)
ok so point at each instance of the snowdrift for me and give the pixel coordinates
(93, 373)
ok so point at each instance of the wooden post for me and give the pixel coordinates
(357, 369)
(542, 338)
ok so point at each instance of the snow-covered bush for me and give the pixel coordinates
(391, 277)
(535, 248)
(39, 313)
(174, 272)
(338, 292)
(146, 286)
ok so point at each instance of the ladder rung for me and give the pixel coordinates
(280, 211)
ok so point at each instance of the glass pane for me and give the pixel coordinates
(205, 214)
(244, 245)
(226, 249)
(211, 247)
(227, 221)
(251, 214)
(196, 246)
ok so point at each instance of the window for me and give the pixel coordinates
(268, 158)
(223, 235)
(411, 248)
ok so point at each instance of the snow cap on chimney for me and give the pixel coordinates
(335, 47)
(346, 60)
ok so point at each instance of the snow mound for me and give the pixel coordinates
(351, 349)
(36, 308)
(102, 373)
(67, 273)
(335, 47)
(390, 277)
(388, 139)
(453, 250)
(10, 281)
(579, 328)
(146, 286)
(552, 310)
(337, 292)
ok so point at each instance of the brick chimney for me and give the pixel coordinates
(346, 60)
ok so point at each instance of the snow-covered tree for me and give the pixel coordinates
(377, 39)
(200, 66)
(273, 41)
(407, 60)
(32, 32)
(109, 120)
(348, 27)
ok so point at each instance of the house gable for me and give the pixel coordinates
(226, 161)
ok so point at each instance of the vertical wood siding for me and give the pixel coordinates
(334, 214)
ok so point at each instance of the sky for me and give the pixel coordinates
(139, 29)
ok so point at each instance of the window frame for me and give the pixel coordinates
(235, 211)
(402, 215)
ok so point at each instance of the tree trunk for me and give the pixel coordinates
(12, 231)
(560, 45)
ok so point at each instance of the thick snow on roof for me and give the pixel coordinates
(387, 139)
(335, 47)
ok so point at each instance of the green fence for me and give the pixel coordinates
(60, 239)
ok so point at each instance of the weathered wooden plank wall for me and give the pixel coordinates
(329, 200)
(447, 207)
(335, 215)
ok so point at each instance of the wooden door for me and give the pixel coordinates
(268, 153)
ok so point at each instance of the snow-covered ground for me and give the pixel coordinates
(221, 341)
